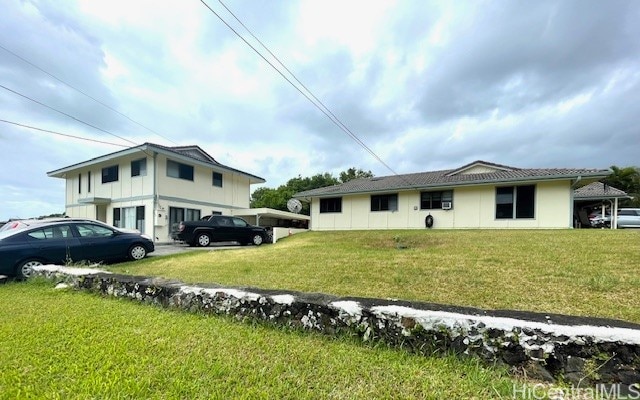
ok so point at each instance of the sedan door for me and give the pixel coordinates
(55, 244)
(99, 242)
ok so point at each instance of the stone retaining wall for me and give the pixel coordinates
(574, 349)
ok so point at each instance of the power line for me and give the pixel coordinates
(333, 116)
(83, 93)
(68, 115)
(324, 109)
(61, 134)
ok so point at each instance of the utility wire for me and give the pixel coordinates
(323, 108)
(333, 117)
(83, 93)
(68, 115)
(61, 134)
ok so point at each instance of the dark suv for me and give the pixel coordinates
(219, 228)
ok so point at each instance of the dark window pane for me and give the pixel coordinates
(385, 202)
(116, 217)
(180, 171)
(110, 174)
(217, 179)
(331, 205)
(139, 167)
(525, 201)
(433, 200)
(504, 202)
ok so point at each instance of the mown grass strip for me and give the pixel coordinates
(580, 272)
(71, 345)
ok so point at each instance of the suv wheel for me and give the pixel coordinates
(257, 239)
(203, 240)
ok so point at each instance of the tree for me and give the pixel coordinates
(627, 179)
(352, 173)
(277, 198)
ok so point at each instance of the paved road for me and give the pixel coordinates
(171, 248)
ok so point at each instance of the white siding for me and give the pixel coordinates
(136, 191)
(473, 207)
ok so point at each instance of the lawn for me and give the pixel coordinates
(579, 272)
(61, 344)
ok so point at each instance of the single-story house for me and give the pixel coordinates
(476, 195)
(152, 188)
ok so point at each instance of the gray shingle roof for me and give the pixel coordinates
(598, 190)
(192, 152)
(451, 178)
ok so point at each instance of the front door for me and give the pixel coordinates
(176, 215)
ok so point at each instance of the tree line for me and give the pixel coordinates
(627, 179)
(277, 198)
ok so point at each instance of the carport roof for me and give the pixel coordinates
(598, 191)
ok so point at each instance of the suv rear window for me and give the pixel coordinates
(627, 212)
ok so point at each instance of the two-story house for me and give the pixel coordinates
(151, 188)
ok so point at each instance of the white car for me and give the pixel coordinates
(628, 218)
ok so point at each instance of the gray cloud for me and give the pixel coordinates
(529, 84)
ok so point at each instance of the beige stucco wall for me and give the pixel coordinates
(473, 207)
(235, 190)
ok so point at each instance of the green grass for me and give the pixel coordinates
(579, 272)
(61, 344)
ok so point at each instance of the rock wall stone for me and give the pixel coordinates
(577, 350)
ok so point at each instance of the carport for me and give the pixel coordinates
(282, 223)
(595, 196)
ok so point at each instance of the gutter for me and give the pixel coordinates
(452, 185)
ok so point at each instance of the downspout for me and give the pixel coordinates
(155, 195)
(572, 213)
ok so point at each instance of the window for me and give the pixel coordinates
(332, 205)
(384, 202)
(192, 214)
(110, 174)
(79, 183)
(90, 230)
(116, 217)
(139, 167)
(515, 202)
(180, 171)
(239, 222)
(175, 216)
(217, 179)
(628, 212)
(52, 233)
(129, 217)
(89, 182)
(433, 200)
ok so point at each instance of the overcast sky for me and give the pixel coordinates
(425, 85)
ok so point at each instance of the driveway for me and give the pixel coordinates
(164, 249)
